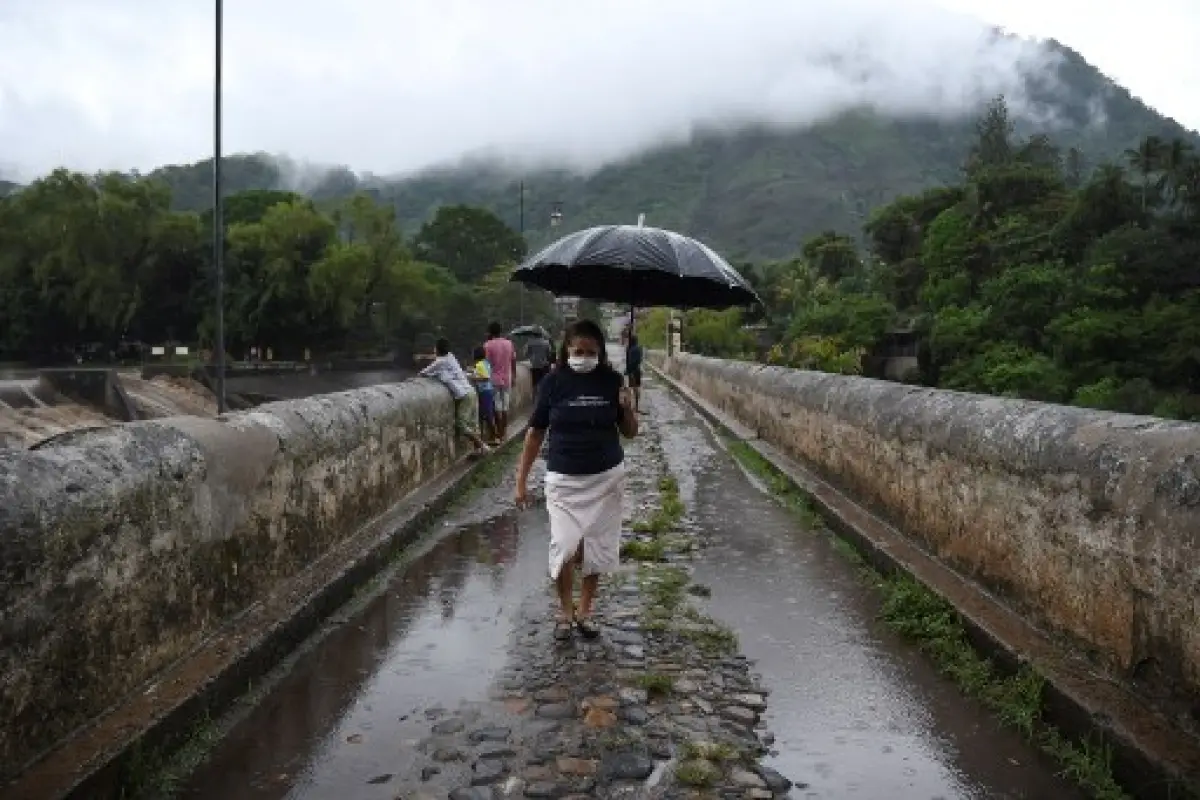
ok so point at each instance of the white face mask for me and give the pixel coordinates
(582, 363)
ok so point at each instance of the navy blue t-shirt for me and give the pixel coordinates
(633, 360)
(581, 411)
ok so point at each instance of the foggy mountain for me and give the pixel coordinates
(756, 184)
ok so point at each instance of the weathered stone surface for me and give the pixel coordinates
(121, 549)
(594, 726)
(1087, 522)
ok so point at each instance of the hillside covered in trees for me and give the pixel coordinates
(1026, 278)
(753, 194)
(1025, 264)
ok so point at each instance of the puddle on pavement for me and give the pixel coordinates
(855, 711)
(352, 708)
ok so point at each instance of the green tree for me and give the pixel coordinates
(832, 255)
(468, 241)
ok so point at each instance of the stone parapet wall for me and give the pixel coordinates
(1086, 522)
(122, 549)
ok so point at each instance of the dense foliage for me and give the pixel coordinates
(1060, 268)
(1025, 279)
(104, 261)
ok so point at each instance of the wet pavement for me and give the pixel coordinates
(353, 705)
(854, 712)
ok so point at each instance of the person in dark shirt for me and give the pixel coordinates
(539, 352)
(581, 412)
(633, 371)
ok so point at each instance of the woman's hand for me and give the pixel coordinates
(628, 423)
(529, 454)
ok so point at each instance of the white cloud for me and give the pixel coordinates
(391, 86)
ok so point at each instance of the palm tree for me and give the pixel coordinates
(1175, 159)
(1146, 158)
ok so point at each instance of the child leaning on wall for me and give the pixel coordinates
(446, 370)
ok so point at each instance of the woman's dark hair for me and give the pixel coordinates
(494, 330)
(633, 340)
(583, 329)
(442, 346)
(478, 354)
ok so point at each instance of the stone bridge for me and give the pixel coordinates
(164, 581)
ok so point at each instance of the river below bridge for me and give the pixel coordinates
(856, 712)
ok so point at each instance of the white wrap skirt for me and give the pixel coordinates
(588, 509)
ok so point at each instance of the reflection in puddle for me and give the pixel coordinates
(856, 712)
(352, 705)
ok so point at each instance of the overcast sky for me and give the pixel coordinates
(388, 85)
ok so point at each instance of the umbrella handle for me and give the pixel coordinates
(629, 339)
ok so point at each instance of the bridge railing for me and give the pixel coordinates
(1086, 522)
(123, 548)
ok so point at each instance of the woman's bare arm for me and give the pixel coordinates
(628, 423)
(529, 454)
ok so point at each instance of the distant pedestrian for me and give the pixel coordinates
(481, 376)
(539, 352)
(585, 410)
(503, 357)
(446, 370)
(633, 371)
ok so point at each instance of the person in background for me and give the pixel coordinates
(446, 370)
(481, 376)
(585, 410)
(633, 371)
(539, 353)
(503, 357)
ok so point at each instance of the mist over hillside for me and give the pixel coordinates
(754, 190)
(788, 123)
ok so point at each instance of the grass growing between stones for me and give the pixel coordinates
(666, 587)
(934, 625)
(489, 474)
(654, 550)
(669, 512)
(703, 763)
(655, 683)
(155, 773)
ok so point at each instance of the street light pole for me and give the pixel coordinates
(521, 223)
(219, 215)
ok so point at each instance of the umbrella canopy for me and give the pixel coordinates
(529, 330)
(635, 265)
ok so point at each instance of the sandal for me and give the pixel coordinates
(562, 629)
(587, 627)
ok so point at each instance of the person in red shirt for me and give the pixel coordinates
(503, 357)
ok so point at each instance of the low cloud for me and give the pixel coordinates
(392, 87)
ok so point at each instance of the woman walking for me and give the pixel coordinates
(584, 408)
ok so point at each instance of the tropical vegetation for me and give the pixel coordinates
(1025, 278)
(102, 263)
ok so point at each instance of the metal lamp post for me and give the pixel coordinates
(218, 215)
(521, 230)
(563, 304)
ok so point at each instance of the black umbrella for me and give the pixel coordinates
(529, 330)
(637, 266)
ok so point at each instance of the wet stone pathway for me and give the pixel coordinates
(659, 704)
(448, 682)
